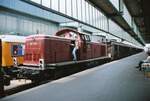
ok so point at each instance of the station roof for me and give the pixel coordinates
(109, 10)
(139, 10)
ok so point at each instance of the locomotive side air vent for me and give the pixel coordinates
(41, 63)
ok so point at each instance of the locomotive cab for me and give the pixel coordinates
(84, 42)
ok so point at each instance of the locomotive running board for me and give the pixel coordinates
(75, 62)
(53, 65)
(29, 67)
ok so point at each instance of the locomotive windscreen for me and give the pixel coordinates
(17, 50)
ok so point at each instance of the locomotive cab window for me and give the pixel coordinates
(85, 38)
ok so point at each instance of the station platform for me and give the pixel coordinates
(119, 80)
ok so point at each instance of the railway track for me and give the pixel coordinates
(57, 73)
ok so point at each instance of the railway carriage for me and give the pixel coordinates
(118, 50)
(12, 51)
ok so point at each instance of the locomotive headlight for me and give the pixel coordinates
(41, 63)
(15, 61)
(109, 55)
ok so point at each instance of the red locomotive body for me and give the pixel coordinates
(47, 49)
(41, 50)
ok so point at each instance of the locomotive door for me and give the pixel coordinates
(86, 46)
(71, 48)
(86, 40)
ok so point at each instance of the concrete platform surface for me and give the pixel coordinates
(115, 81)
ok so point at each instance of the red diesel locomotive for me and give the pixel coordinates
(42, 52)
